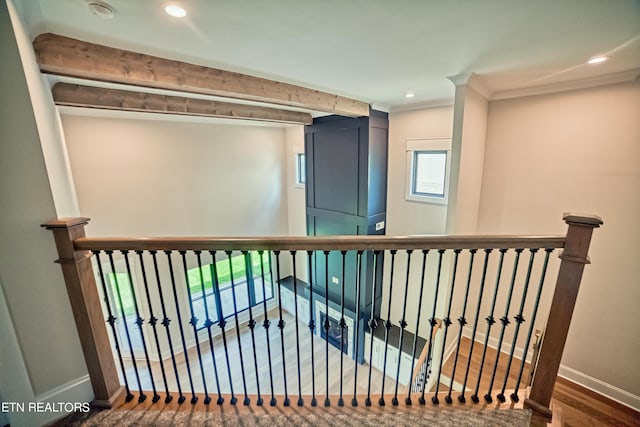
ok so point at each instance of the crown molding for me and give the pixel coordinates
(474, 81)
(620, 77)
(434, 103)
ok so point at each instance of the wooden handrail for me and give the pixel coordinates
(336, 243)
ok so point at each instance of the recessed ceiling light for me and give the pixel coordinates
(410, 95)
(175, 11)
(597, 60)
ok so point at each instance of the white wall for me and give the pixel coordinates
(467, 160)
(147, 175)
(140, 177)
(404, 216)
(296, 202)
(577, 151)
(295, 193)
(48, 125)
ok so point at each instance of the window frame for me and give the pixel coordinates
(301, 178)
(217, 313)
(414, 147)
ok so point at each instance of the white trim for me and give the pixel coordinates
(600, 387)
(456, 386)
(448, 352)
(624, 76)
(380, 107)
(73, 391)
(427, 144)
(442, 143)
(460, 79)
(436, 103)
(475, 82)
(493, 343)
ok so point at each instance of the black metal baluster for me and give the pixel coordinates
(208, 324)
(246, 400)
(140, 322)
(165, 322)
(432, 323)
(490, 321)
(153, 321)
(543, 273)
(194, 323)
(343, 325)
(252, 325)
(387, 325)
(266, 325)
(281, 325)
(505, 321)
(111, 320)
(222, 323)
(295, 309)
(354, 400)
(142, 396)
(373, 323)
(194, 398)
(403, 325)
(462, 321)
(327, 402)
(447, 322)
(312, 327)
(519, 320)
(487, 252)
(425, 252)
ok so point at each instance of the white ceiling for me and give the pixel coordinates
(371, 50)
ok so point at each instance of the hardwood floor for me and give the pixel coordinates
(485, 374)
(577, 406)
(572, 404)
(244, 374)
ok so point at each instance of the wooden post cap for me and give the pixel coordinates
(65, 223)
(582, 219)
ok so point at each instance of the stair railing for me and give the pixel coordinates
(452, 272)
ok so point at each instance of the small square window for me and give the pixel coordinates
(429, 173)
(428, 163)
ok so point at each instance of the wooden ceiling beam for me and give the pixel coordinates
(70, 57)
(124, 100)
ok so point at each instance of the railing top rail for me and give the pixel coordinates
(324, 243)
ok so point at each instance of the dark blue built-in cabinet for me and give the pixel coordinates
(346, 194)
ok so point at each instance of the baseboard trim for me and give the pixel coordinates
(78, 390)
(506, 346)
(612, 392)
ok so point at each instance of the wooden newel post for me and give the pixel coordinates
(87, 311)
(574, 257)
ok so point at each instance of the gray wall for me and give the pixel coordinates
(31, 284)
